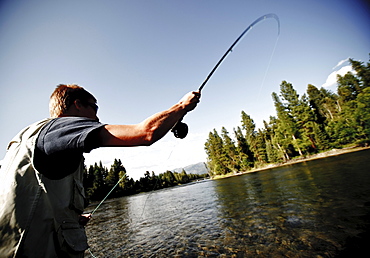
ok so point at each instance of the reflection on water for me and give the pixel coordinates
(319, 208)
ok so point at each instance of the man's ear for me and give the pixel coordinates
(77, 103)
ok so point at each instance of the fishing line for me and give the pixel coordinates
(148, 196)
(119, 181)
(156, 181)
(268, 67)
(262, 18)
(146, 199)
(97, 207)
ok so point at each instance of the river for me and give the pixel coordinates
(318, 208)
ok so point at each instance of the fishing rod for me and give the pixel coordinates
(180, 130)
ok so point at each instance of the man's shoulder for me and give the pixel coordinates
(63, 122)
(66, 133)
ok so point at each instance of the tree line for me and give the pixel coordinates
(99, 181)
(317, 121)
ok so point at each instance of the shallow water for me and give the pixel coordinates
(319, 208)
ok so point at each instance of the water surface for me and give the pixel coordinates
(319, 208)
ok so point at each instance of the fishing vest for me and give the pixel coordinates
(38, 216)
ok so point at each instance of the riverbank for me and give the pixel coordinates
(333, 152)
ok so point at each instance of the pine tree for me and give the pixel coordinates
(97, 174)
(244, 153)
(115, 173)
(272, 150)
(286, 129)
(231, 154)
(217, 160)
(362, 115)
(316, 101)
(260, 147)
(249, 127)
(348, 88)
(363, 73)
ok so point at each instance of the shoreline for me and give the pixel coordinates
(322, 155)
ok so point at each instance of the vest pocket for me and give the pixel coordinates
(72, 236)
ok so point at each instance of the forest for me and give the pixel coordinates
(317, 121)
(99, 181)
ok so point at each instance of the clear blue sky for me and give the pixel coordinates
(140, 57)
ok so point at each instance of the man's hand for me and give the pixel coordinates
(190, 100)
(84, 219)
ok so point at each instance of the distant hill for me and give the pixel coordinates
(198, 168)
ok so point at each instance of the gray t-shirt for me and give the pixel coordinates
(61, 144)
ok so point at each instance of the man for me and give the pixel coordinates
(41, 191)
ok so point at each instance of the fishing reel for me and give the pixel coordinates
(180, 130)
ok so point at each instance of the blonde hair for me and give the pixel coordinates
(63, 97)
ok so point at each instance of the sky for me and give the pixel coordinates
(140, 57)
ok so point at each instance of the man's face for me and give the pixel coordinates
(90, 110)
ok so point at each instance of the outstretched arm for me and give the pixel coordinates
(151, 129)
